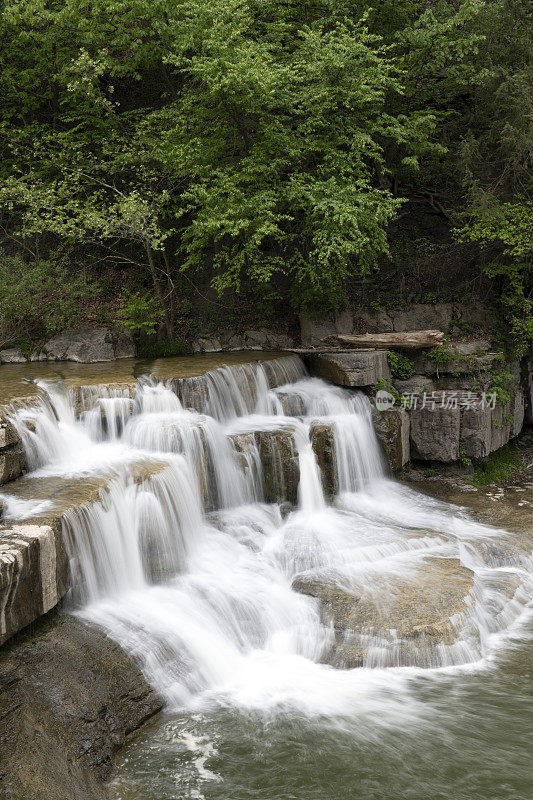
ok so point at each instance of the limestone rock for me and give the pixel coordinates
(472, 346)
(476, 430)
(457, 364)
(518, 413)
(435, 433)
(392, 430)
(360, 368)
(411, 616)
(314, 329)
(281, 469)
(203, 345)
(265, 339)
(12, 463)
(8, 434)
(69, 696)
(33, 575)
(323, 444)
(90, 345)
(372, 322)
(12, 355)
(528, 385)
(417, 385)
(421, 316)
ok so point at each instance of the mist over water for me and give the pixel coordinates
(345, 626)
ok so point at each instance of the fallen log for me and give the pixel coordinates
(403, 340)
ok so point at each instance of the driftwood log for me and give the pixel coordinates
(403, 340)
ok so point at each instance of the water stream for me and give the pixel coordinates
(278, 616)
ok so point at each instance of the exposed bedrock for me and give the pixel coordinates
(276, 451)
(260, 339)
(86, 345)
(417, 316)
(69, 696)
(34, 567)
(392, 430)
(445, 431)
(323, 443)
(404, 617)
(12, 459)
(358, 369)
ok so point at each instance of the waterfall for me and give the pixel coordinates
(213, 554)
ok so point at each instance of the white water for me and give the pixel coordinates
(185, 564)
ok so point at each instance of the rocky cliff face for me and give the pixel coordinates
(69, 697)
(86, 345)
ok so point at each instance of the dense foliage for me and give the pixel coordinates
(260, 146)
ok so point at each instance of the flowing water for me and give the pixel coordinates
(312, 637)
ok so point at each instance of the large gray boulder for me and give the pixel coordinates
(89, 345)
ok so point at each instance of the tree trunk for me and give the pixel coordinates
(158, 290)
(404, 340)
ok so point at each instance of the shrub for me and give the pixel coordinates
(39, 299)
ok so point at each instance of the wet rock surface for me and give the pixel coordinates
(392, 429)
(69, 696)
(323, 444)
(34, 566)
(12, 458)
(413, 613)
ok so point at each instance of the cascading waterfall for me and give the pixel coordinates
(220, 594)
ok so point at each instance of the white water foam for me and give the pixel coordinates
(193, 573)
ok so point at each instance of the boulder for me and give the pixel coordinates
(392, 430)
(360, 368)
(90, 345)
(69, 697)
